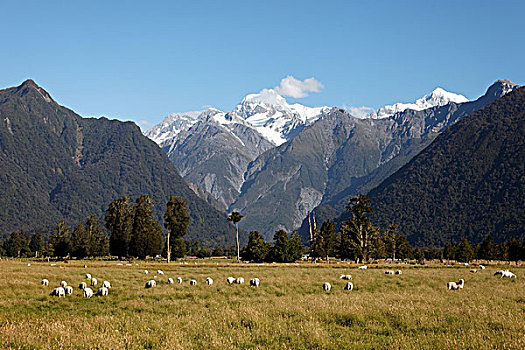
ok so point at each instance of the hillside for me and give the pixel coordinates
(469, 182)
(57, 165)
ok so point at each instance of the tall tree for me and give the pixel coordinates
(36, 244)
(359, 229)
(391, 240)
(514, 249)
(279, 252)
(257, 249)
(464, 253)
(324, 241)
(235, 217)
(81, 242)
(488, 249)
(146, 236)
(17, 245)
(61, 240)
(99, 240)
(119, 222)
(176, 220)
(295, 248)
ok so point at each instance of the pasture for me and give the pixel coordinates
(289, 310)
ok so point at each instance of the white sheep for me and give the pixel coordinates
(505, 273)
(389, 272)
(106, 284)
(461, 283)
(193, 283)
(85, 266)
(58, 292)
(364, 267)
(63, 284)
(345, 277)
(82, 285)
(88, 276)
(399, 272)
(327, 286)
(45, 282)
(179, 280)
(160, 272)
(230, 280)
(239, 280)
(146, 272)
(151, 284)
(88, 292)
(349, 286)
(473, 271)
(254, 282)
(452, 286)
(170, 280)
(102, 292)
(209, 281)
(68, 290)
(482, 267)
(94, 282)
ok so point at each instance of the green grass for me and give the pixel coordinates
(288, 311)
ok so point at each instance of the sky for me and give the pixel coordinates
(146, 59)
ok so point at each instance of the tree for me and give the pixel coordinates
(279, 252)
(514, 249)
(359, 230)
(404, 249)
(146, 234)
(324, 241)
(36, 243)
(488, 249)
(81, 242)
(464, 253)
(61, 240)
(17, 245)
(235, 217)
(119, 222)
(99, 240)
(257, 249)
(391, 240)
(176, 220)
(295, 248)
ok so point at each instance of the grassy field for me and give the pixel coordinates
(288, 311)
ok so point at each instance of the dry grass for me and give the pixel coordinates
(288, 311)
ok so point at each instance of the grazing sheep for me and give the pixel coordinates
(505, 273)
(102, 292)
(363, 267)
(88, 292)
(68, 290)
(94, 282)
(254, 282)
(399, 272)
(170, 280)
(63, 284)
(327, 286)
(230, 280)
(239, 280)
(452, 286)
(389, 272)
(58, 292)
(85, 266)
(209, 281)
(146, 272)
(45, 282)
(151, 284)
(193, 283)
(179, 280)
(482, 267)
(473, 270)
(345, 277)
(160, 272)
(82, 285)
(28, 264)
(349, 286)
(88, 276)
(106, 284)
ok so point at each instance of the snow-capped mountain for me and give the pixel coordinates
(172, 125)
(438, 97)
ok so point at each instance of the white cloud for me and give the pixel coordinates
(296, 88)
(359, 112)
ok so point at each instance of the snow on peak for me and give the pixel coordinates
(438, 97)
(173, 124)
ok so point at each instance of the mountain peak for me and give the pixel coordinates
(29, 82)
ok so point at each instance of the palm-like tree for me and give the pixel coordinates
(235, 217)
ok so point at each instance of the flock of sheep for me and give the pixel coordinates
(87, 292)
(209, 281)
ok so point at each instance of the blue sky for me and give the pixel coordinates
(144, 60)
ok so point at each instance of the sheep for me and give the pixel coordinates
(505, 273)
(179, 280)
(63, 284)
(473, 271)
(45, 282)
(28, 265)
(94, 282)
(151, 284)
(389, 272)
(230, 280)
(482, 267)
(85, 266)
(160, 272)
(254, 282)
(193, 283)
(68, 290)
(327, 286)
(399, 272)
(102, 292)
(364, 267)
(58, 292)
(88, 276)
(88, 292)
(82, 285)
(239, 280)
(170, 280)
(209, 281)
(461, 283)
(452, 286)
(106, 284)
(146, 272)
(345, 277)
(349, 286)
